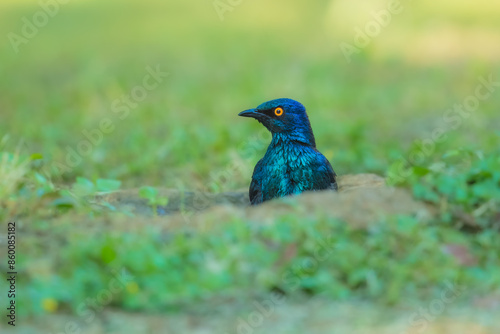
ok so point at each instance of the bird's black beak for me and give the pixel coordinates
(249, 113)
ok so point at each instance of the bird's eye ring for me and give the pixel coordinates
(278, 111)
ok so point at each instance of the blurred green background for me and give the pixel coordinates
(367, 111)
(397, 89)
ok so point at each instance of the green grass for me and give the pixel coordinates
(361, 112)
(366, 116)
(236, 259)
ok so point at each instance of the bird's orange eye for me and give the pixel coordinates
(278, 111)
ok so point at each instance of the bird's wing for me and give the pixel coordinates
(256, 196)
(326, 173)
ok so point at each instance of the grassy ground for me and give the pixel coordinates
(369, 113)
(66, 79)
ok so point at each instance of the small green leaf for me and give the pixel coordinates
(108, 205)
(108, 185)
(36, 156)
(84, 182)
(420, 171)
(108, 254)
(425, 193)
(149, 193)
(162, 201)
(83, 187)
(40, 178)
(451, 153)
(64, 203)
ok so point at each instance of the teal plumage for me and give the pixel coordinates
(292, 164)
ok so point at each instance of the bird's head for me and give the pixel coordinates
(284, 116)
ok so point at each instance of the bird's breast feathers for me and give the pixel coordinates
(291, 170)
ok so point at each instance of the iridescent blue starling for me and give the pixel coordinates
(292, 164)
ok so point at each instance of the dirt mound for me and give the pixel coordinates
(361, 199)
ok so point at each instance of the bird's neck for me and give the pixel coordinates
(283, 138)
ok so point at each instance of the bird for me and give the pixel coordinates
(291, 164)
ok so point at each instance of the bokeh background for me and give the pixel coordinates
(370, 111)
